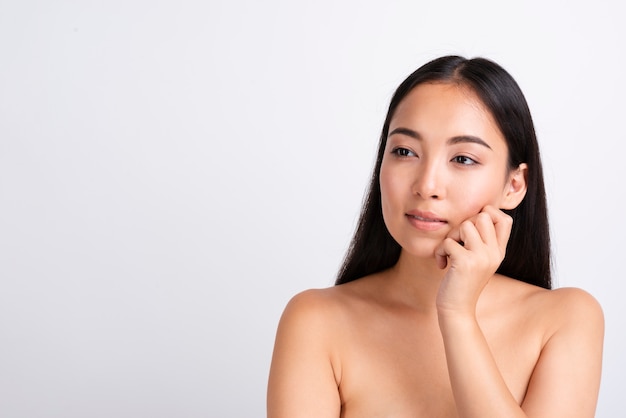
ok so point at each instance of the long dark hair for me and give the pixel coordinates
(528, 251)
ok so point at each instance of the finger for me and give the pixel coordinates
(470, 235)
(502, 224)
(455, 234)
(442, 260)
(447, 249)
(486, 228)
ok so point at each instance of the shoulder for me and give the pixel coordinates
(565, 304)
(313, 303)
(557, 310)
(574, 308)
(331, 301)
(307, 336)
(311, 313)
(574, 298)
(566, 299)
(305, 370)
(325, 314)
(568, 370)
(562, 310)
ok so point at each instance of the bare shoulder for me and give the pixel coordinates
(321, 316)
(306, 354)
(314, 303)
(575, 308)
(313, 313)
(566, 303)
(558, 309)
(334, 300)
(573, 298)
(305, 370)
(565, 297)
(566, 377)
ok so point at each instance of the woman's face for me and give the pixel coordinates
(444, 161)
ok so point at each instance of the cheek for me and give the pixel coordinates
(474, 196)
(385, 190)
(390, 191)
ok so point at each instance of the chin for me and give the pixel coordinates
(423, 248)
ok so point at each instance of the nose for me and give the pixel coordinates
(428, 182)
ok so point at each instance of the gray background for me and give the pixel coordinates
(172, 172)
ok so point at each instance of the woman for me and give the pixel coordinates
(444, 307)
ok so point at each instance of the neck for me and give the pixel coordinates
(416, 281)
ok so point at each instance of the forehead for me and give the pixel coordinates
(444, 110)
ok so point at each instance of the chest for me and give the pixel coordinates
(396, 366)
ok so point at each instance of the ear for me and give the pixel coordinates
(516, 187)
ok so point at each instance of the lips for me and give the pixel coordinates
(421, 218)
(426, 221)
(425, 216)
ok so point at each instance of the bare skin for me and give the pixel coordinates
(367, 349)
(440, 334)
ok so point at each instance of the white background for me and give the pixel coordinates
(172, 172)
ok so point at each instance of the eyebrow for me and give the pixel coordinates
(452, 141)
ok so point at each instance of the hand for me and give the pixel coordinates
(473, 252)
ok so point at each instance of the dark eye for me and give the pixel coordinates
(403, 152)
(463, 160)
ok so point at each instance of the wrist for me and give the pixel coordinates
(456, 319)
(455, 311)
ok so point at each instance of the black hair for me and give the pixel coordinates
(527, 257)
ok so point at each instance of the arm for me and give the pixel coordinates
(565, 381)
(477, 384)
(302, 381)
(566, 378)
(472, 254)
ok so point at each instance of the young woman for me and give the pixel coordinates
(444, 307)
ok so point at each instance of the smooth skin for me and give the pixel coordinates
(440, 334)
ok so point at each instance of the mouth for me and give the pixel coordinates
(426, 219)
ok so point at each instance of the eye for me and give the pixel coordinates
(464, 160)
(403, 152)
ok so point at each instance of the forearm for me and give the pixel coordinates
(477, 384)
